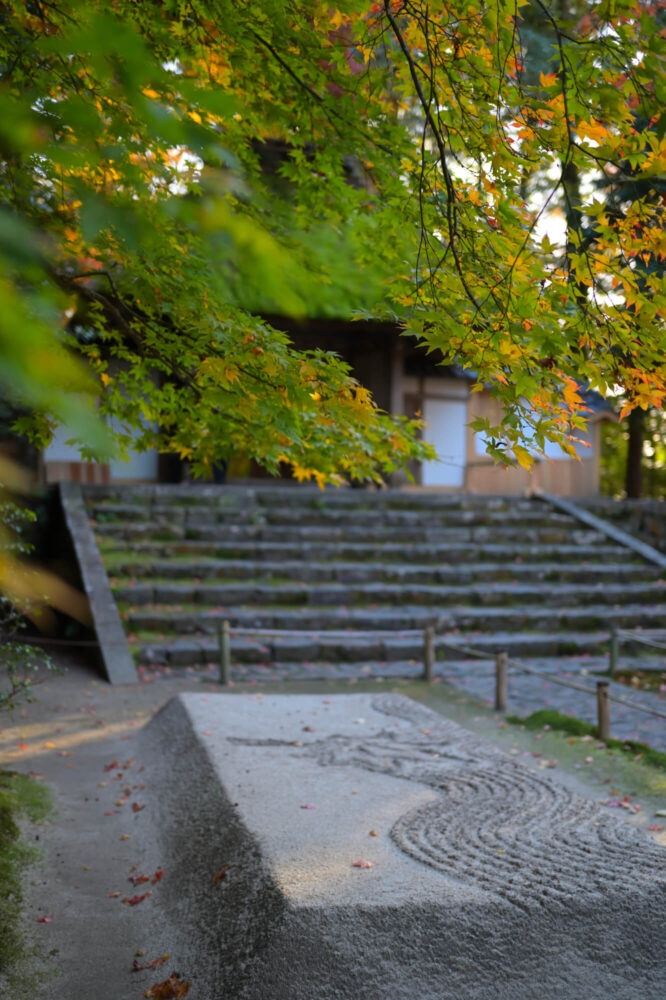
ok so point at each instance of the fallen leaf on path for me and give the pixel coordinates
(113, 895)
(110, 812)
(373, 833)
(172, 988)
(138, 879)
(43, 920)
(154, 964)
(121, 802)
(221, 874)
(64, 753)
(23, 746)
(309, 729)
(102, 784)
(35, 774)
(307, 807)
(158, 875)
(361, 863)
(134, 900)
(655, 826)
(125, 836)
(136, 807)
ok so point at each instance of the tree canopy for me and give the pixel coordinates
(440, 169)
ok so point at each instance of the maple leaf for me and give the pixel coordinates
(153, 964)
(172, 988)
(221, 874)
(134, 900)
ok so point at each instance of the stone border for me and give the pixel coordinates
(117, 660)
(641, 549)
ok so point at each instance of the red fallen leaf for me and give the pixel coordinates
(110, 812)
(172, 988)
(23, 746)
(309, 729)
(43, 920)
(35, 774)
(307, 807)
(136, 899)
(113, 766)
(655, 826)
(158, 875)
(361, 863)
(154, 964)
(136, 807)
(138, 879)
(221, 874)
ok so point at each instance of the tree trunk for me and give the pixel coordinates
(634, 471)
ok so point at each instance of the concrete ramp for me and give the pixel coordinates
(486, 880)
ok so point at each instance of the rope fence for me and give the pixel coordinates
(502, 662)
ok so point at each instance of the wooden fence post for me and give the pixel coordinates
(501, 681)
(603, 710)
(224, 649)
(429, 654)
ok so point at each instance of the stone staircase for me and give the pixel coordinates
(362, 572)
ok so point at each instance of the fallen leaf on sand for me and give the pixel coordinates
(373, 833)
(221, 874)
(134, 900)
(655, 826)
(113, 766)
(137, 807)
(43, 920)
(172, 988)
(361, 863)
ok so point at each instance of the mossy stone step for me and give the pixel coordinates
(508, 595)
(126, 564)
(390, 552)
(165, 514)
(204, 650)
(482, 620)
(227, 533)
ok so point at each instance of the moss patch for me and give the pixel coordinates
(20, 796)
(576, 727)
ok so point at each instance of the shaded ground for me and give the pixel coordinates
(81, 725)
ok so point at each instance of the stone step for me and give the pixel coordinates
(241, 497)
(227, 533)
(363, 572)
(489, 595)
(166, 514)
(390, 552)
(202, 650)
(482, 620)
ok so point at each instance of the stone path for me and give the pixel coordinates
(476, 678)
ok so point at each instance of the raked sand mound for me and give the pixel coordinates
(487, 881)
